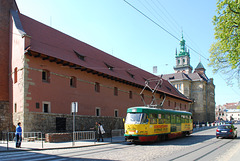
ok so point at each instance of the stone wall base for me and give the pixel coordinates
(5, 117)
(63, 123)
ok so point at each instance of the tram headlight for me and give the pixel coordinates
(125, 131)
(136, 131)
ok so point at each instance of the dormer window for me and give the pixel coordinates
(168, 88)
(82, 57)
(131, 75)
(109, 66)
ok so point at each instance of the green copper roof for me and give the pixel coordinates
(183, 50)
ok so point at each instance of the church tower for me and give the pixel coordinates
(183, 59)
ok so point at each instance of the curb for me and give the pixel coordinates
(67, 147)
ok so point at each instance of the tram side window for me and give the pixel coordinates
(167, 119)
(182, 118)
(161, 118)
(153, 118)
(190, 119)
(178, 119)
(187, 119)
(173, 119)
(144, 119)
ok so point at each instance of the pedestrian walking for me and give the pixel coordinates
(95, 128)
(100, 132)
(18, 135)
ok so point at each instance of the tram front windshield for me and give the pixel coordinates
(136, 118)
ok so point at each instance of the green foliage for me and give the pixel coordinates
(225, 52)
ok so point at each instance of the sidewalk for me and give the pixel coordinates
(38, 145)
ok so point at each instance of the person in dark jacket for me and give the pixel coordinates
(100, 132)
(18, 135)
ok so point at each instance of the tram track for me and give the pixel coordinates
(199, 146)
(197, 151)
(221, 146)
(81, 152)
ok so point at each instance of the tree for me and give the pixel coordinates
(225, 52)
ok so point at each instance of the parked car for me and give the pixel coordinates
(226, 131)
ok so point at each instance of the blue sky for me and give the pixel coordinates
(116, 28)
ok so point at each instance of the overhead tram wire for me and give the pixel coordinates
(173, 20)
(175, 23)
(163, 28)
(175, 38)
(151, 20)
(173, 26)
(158, 14)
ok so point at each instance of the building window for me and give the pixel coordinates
(178, 62)
(15, 75)
(98, 111)
(15, 107)
(46, 107)
(115, 113)
(178, 86)
(115, 91)
(37, 105)
(97, 87)
(168, 103)
(45, 76)
(130, 95)
(185, 107)
(183, 61)
(180, 106)
(175, 104)
(73, 82)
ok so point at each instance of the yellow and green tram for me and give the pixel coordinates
(146, 124)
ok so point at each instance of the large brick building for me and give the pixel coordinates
(43, 71)
(195, 85)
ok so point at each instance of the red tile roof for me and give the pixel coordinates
(53, 43)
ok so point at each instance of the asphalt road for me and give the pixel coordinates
(202, 145)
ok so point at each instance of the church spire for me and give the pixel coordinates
(183, 59)
(183, 50)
